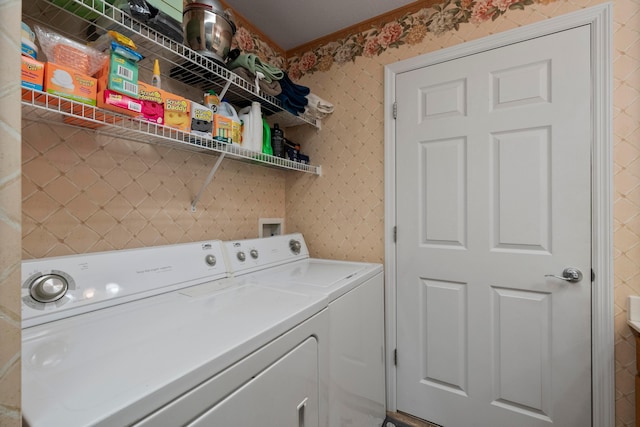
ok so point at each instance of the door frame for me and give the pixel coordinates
(599, 18)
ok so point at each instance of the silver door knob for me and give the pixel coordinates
(569, 274)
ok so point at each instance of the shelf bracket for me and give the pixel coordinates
(224, 90)
(207, 181)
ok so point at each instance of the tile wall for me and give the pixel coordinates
(10, 237)
(342, 212)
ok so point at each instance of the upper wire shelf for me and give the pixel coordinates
(45, 107)
(87, 19)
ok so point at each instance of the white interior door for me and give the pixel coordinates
(493, 194)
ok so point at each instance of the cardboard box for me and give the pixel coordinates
(236, 132)
(201, 120)
(68, 83)
(114, 101)
(123, 75)
(152, 103)
(222, 128)
(176, 111)
(32, 73)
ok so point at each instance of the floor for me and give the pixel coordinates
(398, 419)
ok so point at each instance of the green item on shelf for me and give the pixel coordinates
(252, 63)
(88, 13)
(266, 138)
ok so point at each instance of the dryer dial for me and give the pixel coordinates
(48, 288)
(210, 260)
(254, 253)
(295, 246)
(241, 256)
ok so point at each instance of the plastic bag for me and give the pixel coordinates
(139, 10)
(66, 52)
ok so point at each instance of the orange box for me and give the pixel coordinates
(176, 111)
(222, 128)
(68, 83)
(32, 73)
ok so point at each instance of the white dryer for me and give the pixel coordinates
(355, 297)
(162, 336)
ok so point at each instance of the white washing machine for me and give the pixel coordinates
(355, 297)
(162, 336)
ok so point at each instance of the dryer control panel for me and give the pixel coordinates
(246, 256)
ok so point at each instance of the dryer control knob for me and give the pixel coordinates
(254, 253)
(295, 246)
(210, 260)
(48, 288)
(241, 256)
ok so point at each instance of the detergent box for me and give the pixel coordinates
(68, 83)
(176, 111)
(32, 73)
(201, 120)
(152, 103)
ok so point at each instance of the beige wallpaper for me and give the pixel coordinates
(83, 193)
(341, 212)
(87, 193)
(10, 214)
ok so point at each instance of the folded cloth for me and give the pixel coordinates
(293, 96)
(317, 107)
(294, 88)
(272, 88)
(252, 63)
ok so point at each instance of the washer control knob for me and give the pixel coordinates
(295, 246)
(254, 253)
(210, 260)
(48, 288)
(241, 256)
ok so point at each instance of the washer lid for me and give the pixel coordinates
(113, 366)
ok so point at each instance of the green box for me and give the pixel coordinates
(123, 75)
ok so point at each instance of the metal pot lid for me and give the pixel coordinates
(211, 5)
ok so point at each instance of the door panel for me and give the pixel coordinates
(493, 194)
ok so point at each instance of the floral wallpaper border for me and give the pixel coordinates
(248, 42)
(410, 29)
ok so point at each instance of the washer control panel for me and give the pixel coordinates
(57, 287)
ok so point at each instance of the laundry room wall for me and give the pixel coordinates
(84, 192)
(342, 212)
(10, 214)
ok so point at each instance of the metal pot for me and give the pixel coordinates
(208, 29)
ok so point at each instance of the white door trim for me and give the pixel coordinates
(602, 346)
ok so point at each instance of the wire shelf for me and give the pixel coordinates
(86, 20)
(45, 107)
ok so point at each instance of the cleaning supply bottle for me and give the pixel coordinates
(155, 79)
(225, 109)
(277, 141)
(266, 138)
(251, 118)
(212, 101)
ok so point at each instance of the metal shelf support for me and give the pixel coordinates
(207, 181)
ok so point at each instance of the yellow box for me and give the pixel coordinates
(176, 111)
(32, 73)
(68, 83)
(236, 132)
